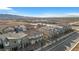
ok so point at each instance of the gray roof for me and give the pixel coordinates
(35, 35)
(13, 35)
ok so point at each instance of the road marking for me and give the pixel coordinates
(57, 45)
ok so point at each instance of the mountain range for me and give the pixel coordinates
(17, 17)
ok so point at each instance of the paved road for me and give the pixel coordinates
(64, 44)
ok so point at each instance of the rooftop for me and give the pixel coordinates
(34, 34)
(15, 35)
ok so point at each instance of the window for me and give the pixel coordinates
(14, 41)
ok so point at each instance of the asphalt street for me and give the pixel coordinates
(64, 44)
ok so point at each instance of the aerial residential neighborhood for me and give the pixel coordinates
(38, 33)
(30, 37)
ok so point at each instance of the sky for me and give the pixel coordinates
(41, 11)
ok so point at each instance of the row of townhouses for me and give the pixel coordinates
(18, 39)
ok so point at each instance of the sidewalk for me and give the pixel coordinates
(74, 47)
(52, 42)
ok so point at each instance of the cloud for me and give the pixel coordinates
(49, 15)
(5, 8)
(56, 15)
(77, 14)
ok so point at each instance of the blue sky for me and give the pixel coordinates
(40, 11)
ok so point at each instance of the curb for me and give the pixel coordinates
(74, 46)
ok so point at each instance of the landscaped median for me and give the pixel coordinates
(50, 43)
